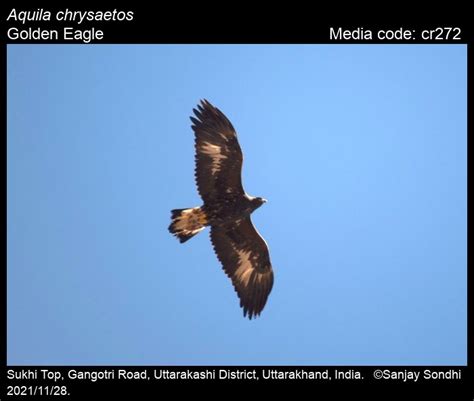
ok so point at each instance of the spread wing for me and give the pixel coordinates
(218, 154)
(245, 259)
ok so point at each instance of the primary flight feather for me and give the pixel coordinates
(239, 247)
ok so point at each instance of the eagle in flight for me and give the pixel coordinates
(239, 247)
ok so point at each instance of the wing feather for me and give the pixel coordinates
(245, 259)
(218, 155)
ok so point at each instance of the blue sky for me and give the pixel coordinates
(359, 149)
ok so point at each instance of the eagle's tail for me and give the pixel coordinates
(186, 223)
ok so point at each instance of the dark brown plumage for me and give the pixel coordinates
(239, 247)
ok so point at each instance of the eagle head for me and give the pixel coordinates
(254, 202)
(258, 201)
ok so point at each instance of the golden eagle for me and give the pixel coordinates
(227, 208)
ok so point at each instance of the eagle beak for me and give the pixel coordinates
(264, 200)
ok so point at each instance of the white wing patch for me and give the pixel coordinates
(244, 270)
(215, 152)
